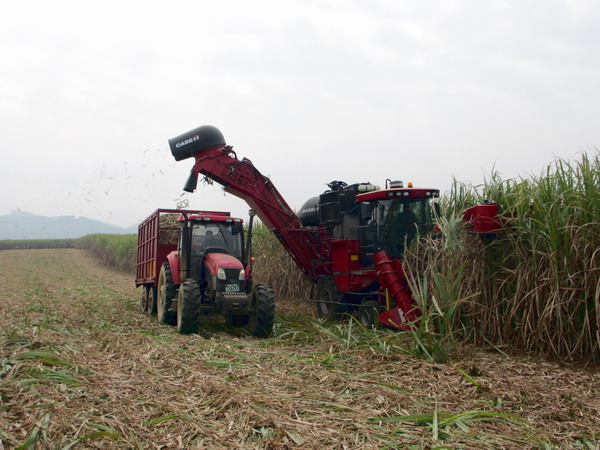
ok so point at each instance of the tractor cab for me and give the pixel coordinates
(216, 237)
(211, 244)
(391, 218)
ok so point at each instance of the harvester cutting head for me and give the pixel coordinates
(193, 142)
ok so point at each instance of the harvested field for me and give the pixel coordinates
(80, 366)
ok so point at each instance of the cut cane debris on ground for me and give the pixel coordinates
(81, 367)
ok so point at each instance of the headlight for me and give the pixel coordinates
(242, 275)
(221, 274)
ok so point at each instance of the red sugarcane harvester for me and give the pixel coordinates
(349, 240)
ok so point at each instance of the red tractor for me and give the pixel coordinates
(349, 240)
(195, 263)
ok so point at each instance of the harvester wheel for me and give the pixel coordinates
(166, 294)
(188, 307)
(261, 322)
(327, 298)
(368, 314)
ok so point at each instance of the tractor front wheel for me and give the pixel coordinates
(261, 322)
(327, 299)
(166, 294)
(188, 307)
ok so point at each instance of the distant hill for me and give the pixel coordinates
(23, 225)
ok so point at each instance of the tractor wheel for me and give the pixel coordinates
(368, 314)
(327, 298)
(236, 321)
(261, 322)
(166, 294)
(188, 307)
(144, 300)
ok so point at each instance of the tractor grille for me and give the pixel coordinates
(231, 283)
(232, 275)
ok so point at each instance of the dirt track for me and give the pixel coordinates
(81, 366)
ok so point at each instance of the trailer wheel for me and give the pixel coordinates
(261, 322)
(144, 300)
(327, 298)
(166, 294)
(188, 307)
(152, 301)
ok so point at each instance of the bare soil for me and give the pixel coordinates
(81, 367)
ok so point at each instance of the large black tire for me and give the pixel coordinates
(188, 307)
(261, 322)
(166, 294)
(327, 296)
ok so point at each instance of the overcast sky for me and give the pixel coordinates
(310, 91)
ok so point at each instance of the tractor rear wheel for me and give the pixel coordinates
(166, 294)
(327, 299)
(261, 322)
(188, 307)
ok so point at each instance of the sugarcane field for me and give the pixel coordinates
(82, 369)
(87, 362)
(300, 225)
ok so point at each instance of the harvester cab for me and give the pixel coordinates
(380, 219)
(393, 217)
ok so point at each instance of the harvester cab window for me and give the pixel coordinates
(401, 220)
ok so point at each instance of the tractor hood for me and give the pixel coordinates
(215, 261)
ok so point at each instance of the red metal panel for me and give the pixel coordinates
(384, 194)
(483, 218)
(345, 259)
